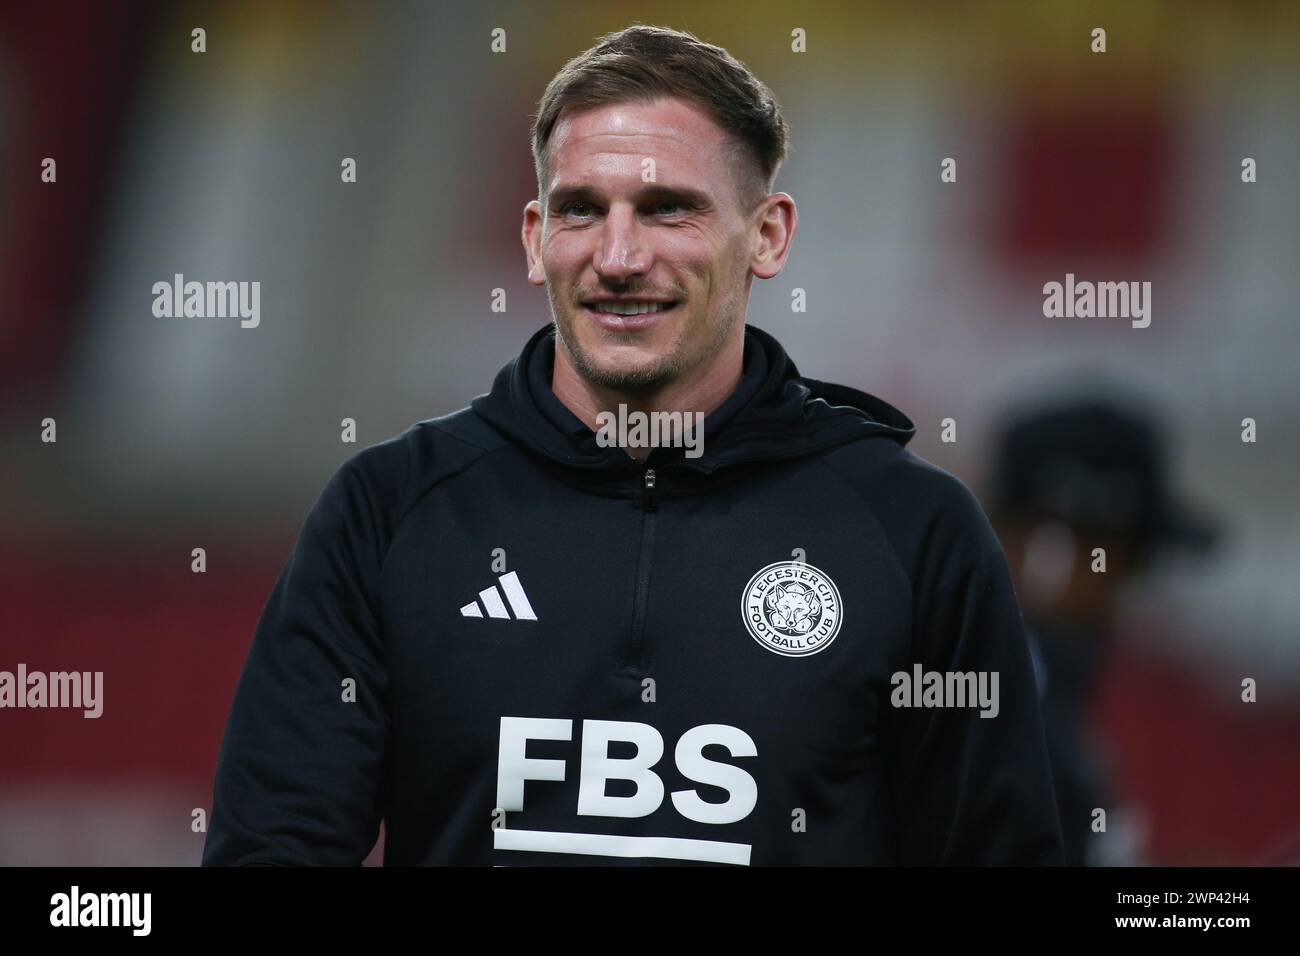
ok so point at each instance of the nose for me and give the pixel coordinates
(621, 253)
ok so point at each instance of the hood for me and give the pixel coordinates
(774, 413)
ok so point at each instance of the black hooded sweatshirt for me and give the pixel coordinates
(514, 644)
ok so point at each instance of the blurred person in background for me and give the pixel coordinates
(1069, 479)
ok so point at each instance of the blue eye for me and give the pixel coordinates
(569, 205)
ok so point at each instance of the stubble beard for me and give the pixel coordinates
(652, 377)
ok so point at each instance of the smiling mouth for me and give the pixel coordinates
(630, 315)
(629, 308)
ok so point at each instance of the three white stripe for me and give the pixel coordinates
(491, 599)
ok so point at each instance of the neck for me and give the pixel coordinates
(702, 390)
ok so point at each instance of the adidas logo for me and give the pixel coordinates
(491, 598)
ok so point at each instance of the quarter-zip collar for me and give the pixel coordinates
(773, 414)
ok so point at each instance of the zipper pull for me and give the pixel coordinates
(648, 499)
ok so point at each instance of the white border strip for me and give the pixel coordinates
(601, 844)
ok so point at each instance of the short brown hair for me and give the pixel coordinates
(643, 63)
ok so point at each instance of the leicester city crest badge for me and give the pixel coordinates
(792, 608)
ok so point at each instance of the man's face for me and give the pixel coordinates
(676, 249)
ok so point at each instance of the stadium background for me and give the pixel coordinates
(176, 434)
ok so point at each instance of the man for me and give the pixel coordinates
(789, 642)
(1070, 477)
